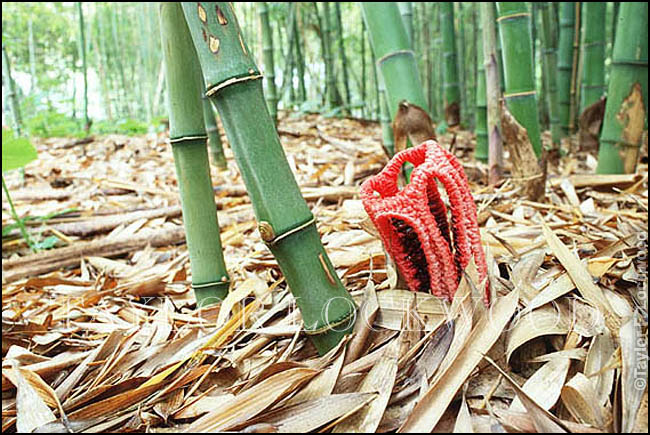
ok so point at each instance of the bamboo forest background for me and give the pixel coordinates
(126, 90)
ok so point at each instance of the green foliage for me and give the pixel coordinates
(51, 123)
(16, 151)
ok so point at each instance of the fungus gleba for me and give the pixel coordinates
(430, 252)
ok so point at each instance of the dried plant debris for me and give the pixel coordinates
(101, 333)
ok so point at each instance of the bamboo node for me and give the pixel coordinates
(266, 231)
(517, 15)
(177, 140)
(519, 94)
(275, 239)
(395, 53)
(224, 279)
(331, 325)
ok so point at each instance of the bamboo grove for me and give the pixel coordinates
(550, 65)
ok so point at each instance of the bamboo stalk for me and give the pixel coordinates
(592, 85)
(481, 151)
(285, 221)
(300, 61)
(11, 93)
(520, 95)
(574, 69)
(564, 65)
(395, 60)
(450, 73)
(188, 138)
(549, 42)
(82, 50)
(214, 138)
(406, 12)
(269, 66)
(493, 93)
(342, 56)
(626, 114)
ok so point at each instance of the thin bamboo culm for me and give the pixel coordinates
(188, 138)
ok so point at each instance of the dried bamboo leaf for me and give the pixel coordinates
(580, 398)
(563, 284)
(314, 413)
(545, 385)
(251, 402)
(379, 380)
(464, 419)
(634, 354)
(542, 321)
(32, 410)
(544, 421)
(254, 285)
(363, 326)
(322, 385)
(578, 273)
(394, 303)
(489, 327)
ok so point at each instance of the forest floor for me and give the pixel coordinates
(101, 333)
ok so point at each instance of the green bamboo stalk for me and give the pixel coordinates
(188, 138)
(330, 77)
(626, 113)
(502, 75)
(126, 107)
(550, 73)
(564, 64)
(459, 41)
(342, 56)
(102, 64)
(378, 98)
(289, 64)
(82, 51)
(300, 61)
(451, 96)
(481, 151)
(269, 66)
(285, 222)
(395, 60)
(436, 73)
(384, 118)
(406, 12)
(11, 93)
(575, 69)
(592, 85)
(514, 25)
(32, 58)
(493, 92)
(363, 67)
(214, 138)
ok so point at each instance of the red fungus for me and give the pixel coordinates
(413, 221)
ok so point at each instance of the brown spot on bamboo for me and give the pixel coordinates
(203, 16)
(214, 44)
(220, 16)
(330, 278)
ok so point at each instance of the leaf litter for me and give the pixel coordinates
(102, 332)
